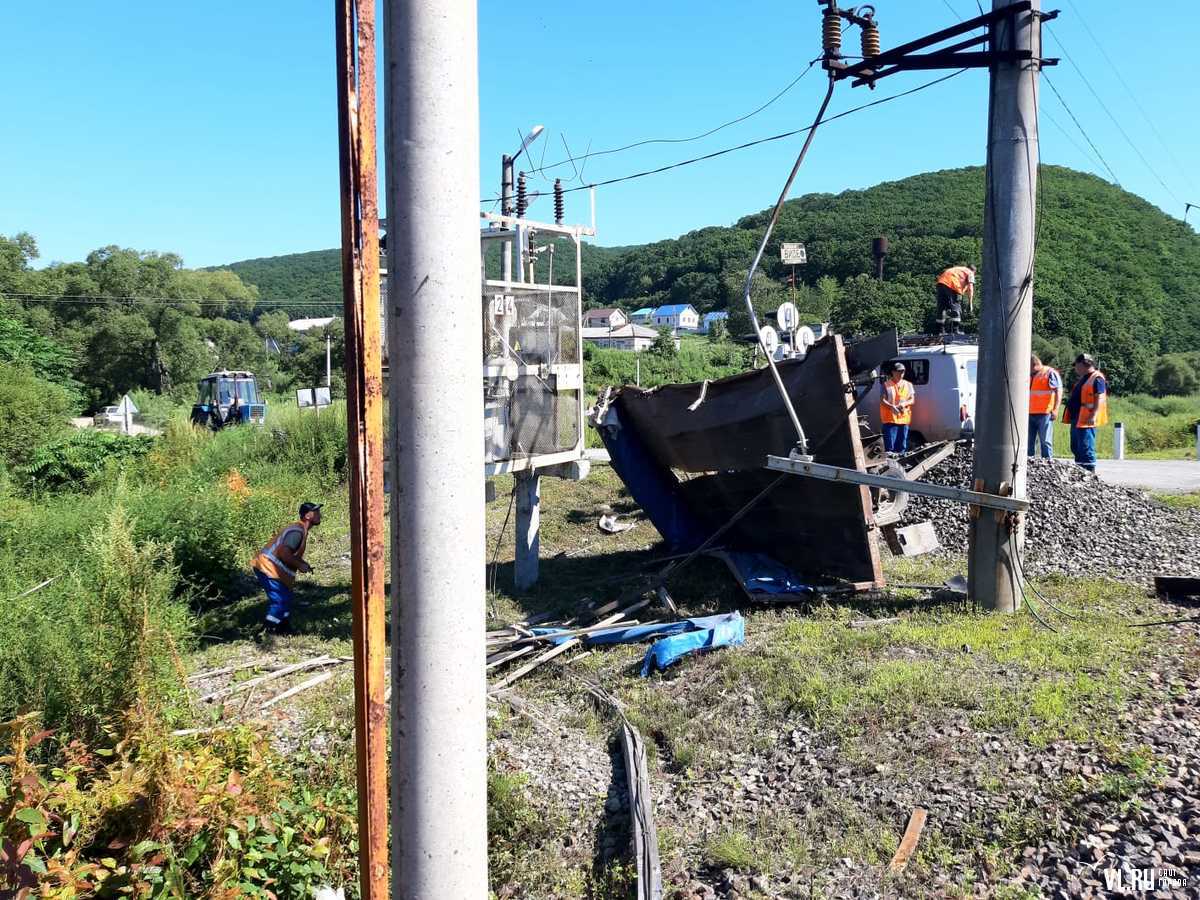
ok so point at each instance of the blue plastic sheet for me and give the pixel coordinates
(760, 574)
(677, 639)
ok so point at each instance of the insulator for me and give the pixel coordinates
(870, 39)
(831, 32)
(558, 201)
(522, 199)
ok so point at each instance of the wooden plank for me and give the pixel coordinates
(908, 844)
(499, 659)
(278, 673)
(547, 656)
(319, 678)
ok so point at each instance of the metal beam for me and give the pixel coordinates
(355, 27)
(888, 57)
(853, 476)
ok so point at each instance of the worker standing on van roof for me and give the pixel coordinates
(1045, 393)
(1086, 410)
(277, 564)
(951, 285)
(895, 410)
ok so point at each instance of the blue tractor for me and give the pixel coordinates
(228, 398)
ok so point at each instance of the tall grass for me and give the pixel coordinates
(1153, 426)
(100, 641)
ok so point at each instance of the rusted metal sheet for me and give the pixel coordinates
(716, 453)
(912, 540)
(355, 28)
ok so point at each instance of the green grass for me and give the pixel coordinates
(1155, 428)
(1179, 501)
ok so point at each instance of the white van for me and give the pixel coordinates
(943, 378)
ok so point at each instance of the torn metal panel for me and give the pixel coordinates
(822, 531)
(912, 540)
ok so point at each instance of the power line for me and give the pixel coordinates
(748, 144)
(1086, 137)
(1132, 96)
(574, 159)
(102, 299)
(1115, 121)
(1070, 137)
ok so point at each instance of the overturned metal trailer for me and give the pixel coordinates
(693, 456)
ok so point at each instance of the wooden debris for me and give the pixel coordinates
(319, 678)
(499, 659)
(550, 654)
(908, 844)
(229, 670)
(315, 662)
(867, 623)
(667, 600)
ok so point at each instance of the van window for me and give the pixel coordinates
(972, 369)
(915, 370)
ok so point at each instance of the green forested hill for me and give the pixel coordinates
(1115, 275)
(314, 277)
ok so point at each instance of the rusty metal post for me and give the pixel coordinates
(355, 25)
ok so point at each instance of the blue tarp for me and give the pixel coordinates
(760, 574)
(677, 639)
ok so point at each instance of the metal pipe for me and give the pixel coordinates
(355, 26)
(787, 401)
(439, 742)
(1006, 315)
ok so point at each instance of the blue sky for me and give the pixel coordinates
(210, 130)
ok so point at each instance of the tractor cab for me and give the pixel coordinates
(228, 398)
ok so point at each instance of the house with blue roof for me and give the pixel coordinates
(642, 316)
(709, 318)
(677, 317)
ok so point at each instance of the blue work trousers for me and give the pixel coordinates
(1041, 428)
(895, 438)
(1083, 445)
(279, 597)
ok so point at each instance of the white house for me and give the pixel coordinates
(628, 337)
(709, 318)
(642, 316)
(610, 317)
(677, 316)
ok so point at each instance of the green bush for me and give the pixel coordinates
(80, 458)
(1175, 374)
(99, 641)
(32, 412)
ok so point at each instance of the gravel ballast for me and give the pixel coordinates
(1077, 525)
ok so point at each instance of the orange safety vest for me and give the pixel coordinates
(270, 564)
(1041, 395)
(1093, 407)
(896, 393)
(956, 278)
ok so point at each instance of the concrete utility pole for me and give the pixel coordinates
(439, 743)
(1006, 317)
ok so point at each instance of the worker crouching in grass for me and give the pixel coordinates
(895, 410)
(1086, 410)
(277, 565)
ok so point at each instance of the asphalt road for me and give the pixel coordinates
(1166, 476)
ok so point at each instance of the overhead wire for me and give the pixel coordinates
(110, 299)
(1082, 131)
(588, 154)
(748, 144)
(1115, 120)
(1116, 69)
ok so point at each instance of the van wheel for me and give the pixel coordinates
(916, 439)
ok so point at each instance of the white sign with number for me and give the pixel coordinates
(793, 254)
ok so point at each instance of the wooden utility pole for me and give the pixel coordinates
(1006, 316)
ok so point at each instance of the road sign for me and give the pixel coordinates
(793, 254)
(126, 407)
(787, 317)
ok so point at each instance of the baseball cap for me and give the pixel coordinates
(306, 508)
(896, 367)
(1085, 359)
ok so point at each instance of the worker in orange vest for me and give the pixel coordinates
(895, 409)
(1086, 410)
(278, 563)
(951, 285)
(1045, 393)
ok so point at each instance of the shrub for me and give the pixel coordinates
(1174, 374)
(100, 640)
(80, 458)
(32, 412)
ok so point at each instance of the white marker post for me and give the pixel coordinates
(1119, 440)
